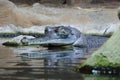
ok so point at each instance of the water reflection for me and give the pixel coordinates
(31, 63)
(50, 57)
(36, 63)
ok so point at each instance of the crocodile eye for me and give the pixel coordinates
(56, 31)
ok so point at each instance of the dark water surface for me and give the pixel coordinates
(37, 63)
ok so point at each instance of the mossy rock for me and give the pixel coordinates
(107, 56)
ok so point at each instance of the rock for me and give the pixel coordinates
(107, 56)
(11, 14)
(36, 5)
(109, 53)
(6, 8)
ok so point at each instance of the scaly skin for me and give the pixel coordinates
(61, 36)
(55, 36)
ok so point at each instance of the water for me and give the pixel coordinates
(38, 63)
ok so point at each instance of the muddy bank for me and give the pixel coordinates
(93, 21)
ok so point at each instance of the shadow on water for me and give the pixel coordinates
(36, 63)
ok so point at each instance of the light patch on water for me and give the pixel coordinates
(26, 49)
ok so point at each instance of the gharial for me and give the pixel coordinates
(65, 35)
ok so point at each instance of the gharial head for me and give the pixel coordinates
(58, 32)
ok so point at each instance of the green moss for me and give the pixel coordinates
(103, 61)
